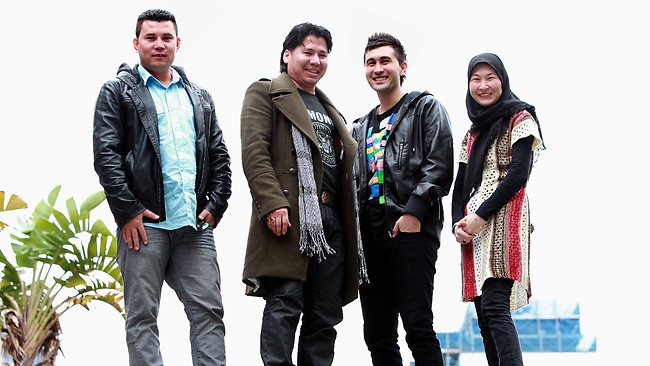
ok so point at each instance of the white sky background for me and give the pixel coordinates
(584, 65)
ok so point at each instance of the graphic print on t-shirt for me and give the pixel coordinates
(325, 133)
(324, 128)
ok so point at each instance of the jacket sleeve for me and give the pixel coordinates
(109, 152)
(220, 175)
(457, 206)
(437, 168)
(257, 121)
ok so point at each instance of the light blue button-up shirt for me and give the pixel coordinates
(177, 150)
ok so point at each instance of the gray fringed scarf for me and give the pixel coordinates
(312, 239)
(363, 269)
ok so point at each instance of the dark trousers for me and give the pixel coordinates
(401, 271)
(319, 300)
(500, 338)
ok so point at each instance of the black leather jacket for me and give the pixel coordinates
(418, 161)
(127, 152)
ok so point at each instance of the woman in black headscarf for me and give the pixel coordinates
(490, 207)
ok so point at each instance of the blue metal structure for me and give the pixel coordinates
(543, 326)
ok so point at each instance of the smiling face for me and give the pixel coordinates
(383, 71)
(307, 63)
(157, 45)
(485, 85)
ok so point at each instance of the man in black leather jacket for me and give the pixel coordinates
(161, 158)
(404, 167)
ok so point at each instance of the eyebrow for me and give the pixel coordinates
(155, 34)
(313, 48)
(491, 73)
(380, 58)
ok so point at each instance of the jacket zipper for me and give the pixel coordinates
(399, 155)
(203, 160)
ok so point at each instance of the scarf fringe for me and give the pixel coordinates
(363, 268)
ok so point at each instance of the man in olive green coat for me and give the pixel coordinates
(297, 154)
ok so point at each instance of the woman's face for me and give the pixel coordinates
(485, 85)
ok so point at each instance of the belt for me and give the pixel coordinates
(327, 197)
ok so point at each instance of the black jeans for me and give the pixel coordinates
(500, 338)
(401, 271)
(319, 300)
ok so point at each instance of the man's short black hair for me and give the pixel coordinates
(297, 35)
(157, 15)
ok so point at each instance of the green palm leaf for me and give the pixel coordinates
(71, 260)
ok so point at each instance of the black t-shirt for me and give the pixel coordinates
(325, 133)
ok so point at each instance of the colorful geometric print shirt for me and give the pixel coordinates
(177, 150)
(375, 146)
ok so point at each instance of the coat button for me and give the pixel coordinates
(292, 170)
(285, 192)
(293, 150)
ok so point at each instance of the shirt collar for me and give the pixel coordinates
(146, 76)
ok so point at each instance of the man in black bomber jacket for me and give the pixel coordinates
(404, 167)
(161, 158)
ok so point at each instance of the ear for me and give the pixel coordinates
(135, 44)
(178, 43)
(285, 56)
(403, 68)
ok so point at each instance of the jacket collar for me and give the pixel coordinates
(285, 96)
(287, 99)
(410, 99)
(131, 76)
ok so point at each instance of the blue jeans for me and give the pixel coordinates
(187, 260)
(401, 271)
(319, 300)
(500, 338)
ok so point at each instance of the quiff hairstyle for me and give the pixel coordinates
(384, 39)
(157, 15)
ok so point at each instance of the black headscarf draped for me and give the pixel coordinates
(489, 122)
